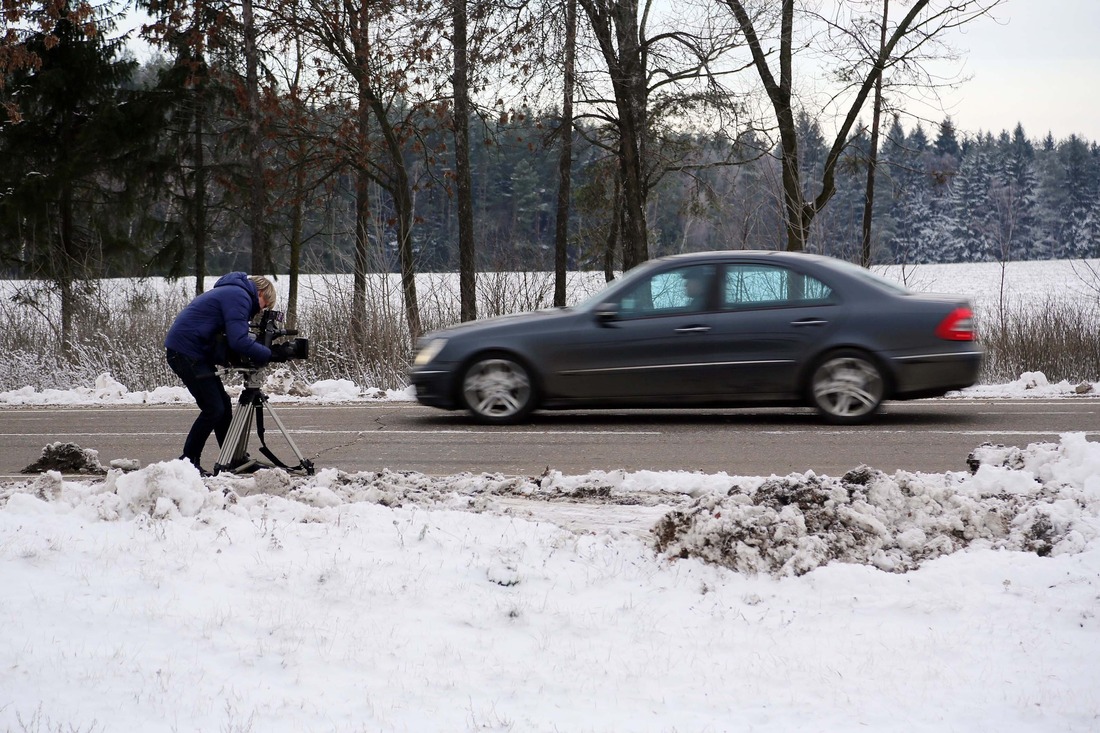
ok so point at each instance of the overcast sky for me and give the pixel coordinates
(1038, 64)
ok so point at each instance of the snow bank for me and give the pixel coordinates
(1043, 499)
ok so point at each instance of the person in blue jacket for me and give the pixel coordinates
(194, 348)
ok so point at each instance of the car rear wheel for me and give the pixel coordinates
(847, 387)
(498, 390)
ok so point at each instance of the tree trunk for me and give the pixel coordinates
(565, 161)
(613, 228)
(403, 203)
(261, 251)
(64, 270)
(296, 227)
(467, 259)
(362, 222)
(198, 222)
(397, 185)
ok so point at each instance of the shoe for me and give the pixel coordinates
(203, 473)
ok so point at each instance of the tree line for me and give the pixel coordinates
(402, 135)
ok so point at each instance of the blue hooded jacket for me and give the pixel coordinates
(226, 309)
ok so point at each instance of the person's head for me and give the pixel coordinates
(694, 283)
(265, 289)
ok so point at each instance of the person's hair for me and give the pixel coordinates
(264, 287)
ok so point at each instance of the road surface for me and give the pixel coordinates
(928, 435)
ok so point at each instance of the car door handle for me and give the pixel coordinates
(810, 322)
(693, 329)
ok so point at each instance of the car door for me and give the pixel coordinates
(772, 319)
(652, 342)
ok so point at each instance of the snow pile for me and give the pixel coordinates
(67, 458)
(105, 391)
(1030, 384)
(1043, 499)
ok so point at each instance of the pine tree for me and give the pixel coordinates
(73, 160)
(1013, 196)
(966, 212)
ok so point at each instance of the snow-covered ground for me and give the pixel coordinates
(154, 600)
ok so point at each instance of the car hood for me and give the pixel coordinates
(511, 322)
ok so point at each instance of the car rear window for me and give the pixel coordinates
(873, 278)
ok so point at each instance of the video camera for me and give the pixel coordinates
(268, 330)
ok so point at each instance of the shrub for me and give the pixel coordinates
(1058, 337)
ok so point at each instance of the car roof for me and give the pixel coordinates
(782, 255)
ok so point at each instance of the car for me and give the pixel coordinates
(709, 329)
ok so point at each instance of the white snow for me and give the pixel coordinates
(154, 600)
(281, 385)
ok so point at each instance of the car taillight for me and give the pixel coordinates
(958, 326)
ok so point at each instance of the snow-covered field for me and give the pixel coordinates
(155, 600)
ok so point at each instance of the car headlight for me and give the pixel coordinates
(429, 352)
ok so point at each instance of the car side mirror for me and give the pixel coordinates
(607, 312)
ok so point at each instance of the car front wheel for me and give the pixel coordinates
(847, 387)
(498, 390)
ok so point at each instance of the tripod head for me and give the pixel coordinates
(250, 375)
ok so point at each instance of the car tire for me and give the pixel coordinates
(847, 387)
(497, 390)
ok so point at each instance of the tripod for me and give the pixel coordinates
(234, 457)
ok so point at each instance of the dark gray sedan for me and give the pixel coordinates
(710, 329)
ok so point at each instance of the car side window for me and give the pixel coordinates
(764, 286)
(670, 292)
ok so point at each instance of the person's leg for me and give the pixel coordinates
(214, 405)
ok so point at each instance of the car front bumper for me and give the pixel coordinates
(433, 388)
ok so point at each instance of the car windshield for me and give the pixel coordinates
(613, 288)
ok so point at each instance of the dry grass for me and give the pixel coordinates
(1059, 338)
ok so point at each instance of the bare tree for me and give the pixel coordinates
(375, 60)
(905, 44)
(672, 73)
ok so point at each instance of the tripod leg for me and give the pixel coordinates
(306, 464)
(235, 446)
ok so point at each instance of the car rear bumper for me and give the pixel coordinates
(926, 375)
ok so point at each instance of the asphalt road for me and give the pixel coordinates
(927, 435)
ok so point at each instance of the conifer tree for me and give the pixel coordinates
(74, 155)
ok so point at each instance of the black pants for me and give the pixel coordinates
(215, 407)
